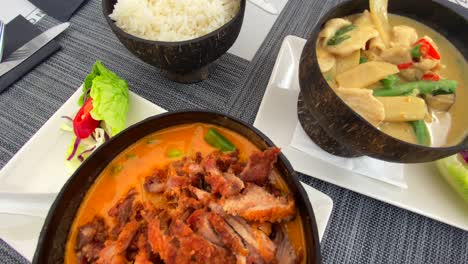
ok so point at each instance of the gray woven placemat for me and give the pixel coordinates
(361, 230)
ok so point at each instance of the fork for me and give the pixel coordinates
(2, 39)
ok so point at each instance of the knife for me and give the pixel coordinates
(2, 39)
(265, 5)
(28, 49)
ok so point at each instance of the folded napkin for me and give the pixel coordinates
(388, 172)
(58, 9)
(17, 33)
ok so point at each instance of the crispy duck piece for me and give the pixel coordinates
(199, 223)
(90, 240)
(210, 215)
(157, 182)
(285, 252)
(228, 236)
(261, 248)
(114, 251)
(176, 242)
(256, 204)
(259, 166)
(143, 256)
(226, 184)
(121, 212)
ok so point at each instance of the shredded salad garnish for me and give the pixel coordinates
(103, 113)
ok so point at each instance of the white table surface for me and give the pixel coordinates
(257, 23)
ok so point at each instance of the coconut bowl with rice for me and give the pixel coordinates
(181, 39)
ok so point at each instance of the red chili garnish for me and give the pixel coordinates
(403, 66)
(427, 50)
(431, 77)
(83, 123)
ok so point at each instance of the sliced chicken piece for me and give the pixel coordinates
(403, 36)
(326, 60)
(411, 74)
(364, 20)
(376, 45)
(357, 40)
(364, 103)
(114, 251)
(427, 64)
(260, 165)
(256, 204)
(396, 55)
(330, 29)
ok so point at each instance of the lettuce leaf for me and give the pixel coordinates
(110, 97)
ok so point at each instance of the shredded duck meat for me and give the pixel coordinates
(216, 209)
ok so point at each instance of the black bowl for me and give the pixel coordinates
(334, 126)
(54, 234)
(181, 61)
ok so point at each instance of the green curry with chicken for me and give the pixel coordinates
(400, 75)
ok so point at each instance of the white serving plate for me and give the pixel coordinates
(38, 170)
(39, 166)
(427, 193)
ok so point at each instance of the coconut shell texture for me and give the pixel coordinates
(181, 60)
(345, 126)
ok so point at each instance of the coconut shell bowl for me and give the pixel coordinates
(181, 61)
(339, 130)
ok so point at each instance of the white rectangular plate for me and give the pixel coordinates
(39, 166)
(38, 169)
(427, 193)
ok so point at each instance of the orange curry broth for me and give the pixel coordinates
(130, 168)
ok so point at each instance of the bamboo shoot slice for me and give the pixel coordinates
(378, 10)
(400, 130)
(403, 108)
(345, 63)
(365, 74)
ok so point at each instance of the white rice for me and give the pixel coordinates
(173, 20)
